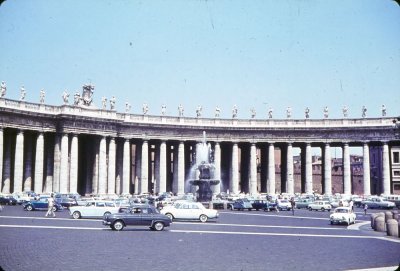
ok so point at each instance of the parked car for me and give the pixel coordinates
(41, 204)
(343, 215)
(137, 215)
(94, 209)
(189, 210)
(339, 203)
(7, 200)
(320, 205)
(303, 203)
(66, 202)
(284, 204)
(240, 204)
(263, 205)
(394, 198)
(378, 202)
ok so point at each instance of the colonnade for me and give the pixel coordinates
(97, 164)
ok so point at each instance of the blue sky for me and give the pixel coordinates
(257, 54)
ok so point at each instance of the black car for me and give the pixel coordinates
(137, 215)
(66, 202)
(263, 205)
(41, 204)
(7, 200)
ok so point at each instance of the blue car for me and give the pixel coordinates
(41, 204)
(241, 204)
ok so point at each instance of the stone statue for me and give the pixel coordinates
(127, 107)
(65, 97)
(383, 110)
(253, 113)
(345, 111)
(234, 111)
(270, 111)
(112, 103)
(364, 111)
(77, 98)
(42, 95)
(104, 102)
(145, 109)
(199, 110)
(23, 94)
(163, 109)
(326, 112)
(288, 112)
(87, 94)
(3, 89)
(180, 110)
(217, 112)
(307, 112)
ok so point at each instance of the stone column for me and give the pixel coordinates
(144, 169)
(271, 169)
(102, 166)
(95, 163)
(1, 157)
(181, 168)
(138, 168)
(386, 169)
(309, 170)
(6, 189)
(73, 173)
(327, 170)
(126, 167)
(217, 172)
(111, 167)
(366, 170)
(119, 168)
(49, 168)
(38, 186)
(162, 187)
(253, 170)
(57, 165)
(346, 170)
(289, 171)
(19, 162)
(64, 169)
(28, 164)
(234, 181)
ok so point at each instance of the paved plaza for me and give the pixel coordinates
(236, 241)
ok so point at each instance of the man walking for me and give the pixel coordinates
(50, 207)
(293, 204)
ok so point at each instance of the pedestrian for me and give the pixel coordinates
(293, 204)
(277, 205)
(365, 209)
(351, 205)
(50, 207)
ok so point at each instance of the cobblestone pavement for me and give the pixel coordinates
(236, 241)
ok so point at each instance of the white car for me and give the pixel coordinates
(94, 209)
(189, 210)
(320, 205)
(284, 204)
(343, 215)
(340, 203)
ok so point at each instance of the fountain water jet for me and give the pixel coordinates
(205, 168)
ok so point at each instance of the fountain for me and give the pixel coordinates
(205, 170)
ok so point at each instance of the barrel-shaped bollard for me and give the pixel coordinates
(376, 215)
(388, 215)
(380, 223)
(392, 228)
(373, 216)
(395, 214)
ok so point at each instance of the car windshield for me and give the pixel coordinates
(341, 211)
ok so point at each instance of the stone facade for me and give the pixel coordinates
(71, 149)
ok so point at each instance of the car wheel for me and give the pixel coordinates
(54, 209)
(323, 209)
(309, 208)
(170, 216)
(76, 215)
(203, 218)
(118, 225)
(158, 226)
(29, 208)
